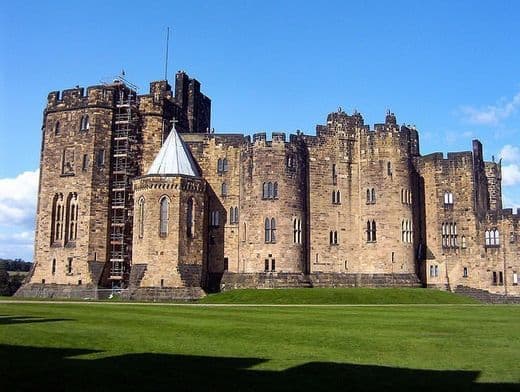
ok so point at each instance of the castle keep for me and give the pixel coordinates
(136, 192)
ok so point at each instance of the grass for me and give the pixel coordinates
(102, 346)
(337, 296)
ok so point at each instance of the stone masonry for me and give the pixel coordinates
(350, 206)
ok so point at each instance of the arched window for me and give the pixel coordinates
(224, 191)
(71, 220)
(334, 175)
(233, 214)
(267, 230)
(225, 165)
(275, 190)
(140, 217)
(402, 195)
(495, 237)
(269, 190)
(338, 197)
(402, 231)
(265, 193)
(374, 231)
(333, 197)
(57, 128)
(373, 196)
(220, 166)
(215, 218)
(190, 218)
(84, 124)
(164, 216)
(58, 213)
(273, 230)
(488, 238)
(368, 196)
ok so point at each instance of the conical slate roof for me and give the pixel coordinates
(174, 158)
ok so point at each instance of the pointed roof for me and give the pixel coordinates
(174, 157)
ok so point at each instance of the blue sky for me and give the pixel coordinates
(449, 67)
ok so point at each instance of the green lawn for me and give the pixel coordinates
(338, 296)
(140, 347)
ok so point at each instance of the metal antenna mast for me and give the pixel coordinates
(166, 60)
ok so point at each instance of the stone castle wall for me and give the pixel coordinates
(330, 189)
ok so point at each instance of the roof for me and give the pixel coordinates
(174, 157)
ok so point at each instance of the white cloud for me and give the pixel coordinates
(17, 245)
(510, 153)
(511, 174)
(18, 199)
(491, 114)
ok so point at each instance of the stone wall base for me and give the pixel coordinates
(39, 290)
(158, 294)
(486, 296)
(267, 280)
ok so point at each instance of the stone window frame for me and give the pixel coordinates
(190, 217)
(57, 127)
(371, 196)
(406, 231)
(224, 189)
(449, 235)
(164, 215)
(214, 218)
(84, 124)
(270, 230)
(140, 216)
(297, 231)
(57, 220)
(448, 199)
(71, 218)
(270, 190)
(233, 215)
(336, 196)
(371, 231)
(333, 237)
(465, 272)
(492, 238)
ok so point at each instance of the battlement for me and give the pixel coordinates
(80, 97)
(453, 158)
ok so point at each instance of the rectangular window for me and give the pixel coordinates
(465, 273)
(69, 265)
(494, 278)
(101, 158)
(515, 279)
(84, 165)
(67, 167)
(226, 263)
(500, 278)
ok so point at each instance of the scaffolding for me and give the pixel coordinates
(123, 169)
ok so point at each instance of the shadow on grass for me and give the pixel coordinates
(4, 320)
(31, 368)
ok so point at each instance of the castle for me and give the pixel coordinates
(136, 192)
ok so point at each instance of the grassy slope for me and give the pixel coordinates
(258, 348)
(338, 296)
